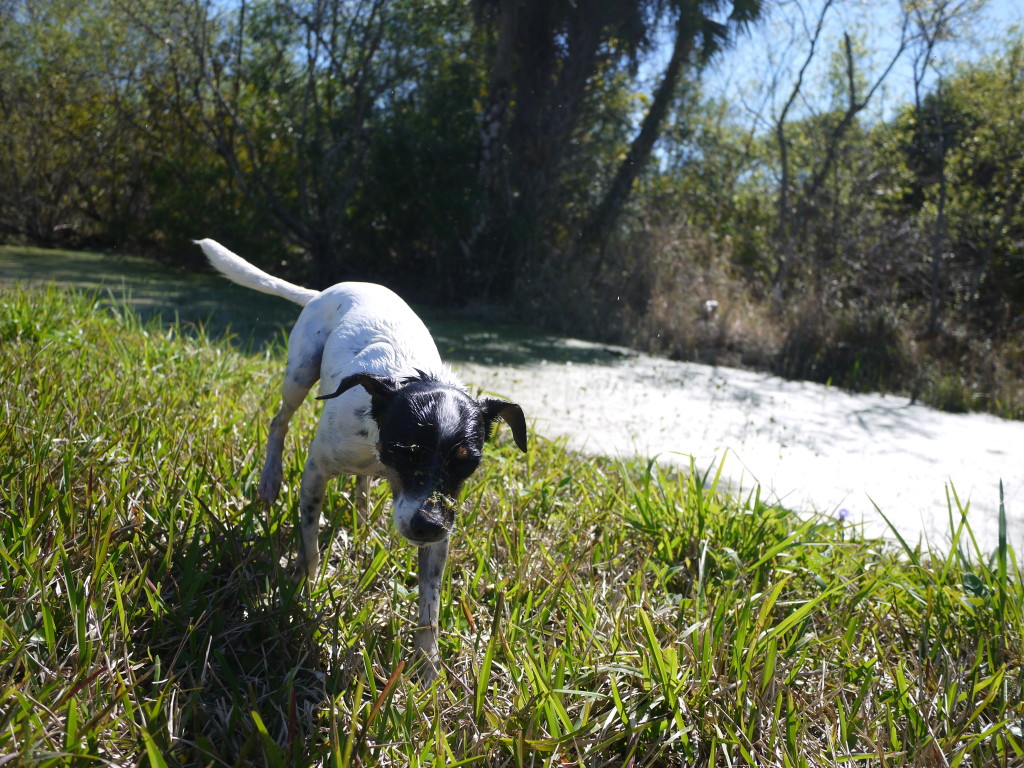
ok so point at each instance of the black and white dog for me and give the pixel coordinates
(393, 410)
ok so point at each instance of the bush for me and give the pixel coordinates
(647, 289)
(859, 348)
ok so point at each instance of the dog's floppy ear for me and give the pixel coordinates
(381, 388)
(493, 409)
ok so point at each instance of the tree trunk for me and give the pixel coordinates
(599, 225)
(939, 238)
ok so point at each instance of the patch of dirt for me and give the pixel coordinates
(810, 447)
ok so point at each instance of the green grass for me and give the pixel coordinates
(596, 613)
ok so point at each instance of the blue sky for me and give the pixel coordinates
(771, 51)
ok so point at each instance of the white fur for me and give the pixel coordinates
(368, 329)
(238, 270)
(348, 328)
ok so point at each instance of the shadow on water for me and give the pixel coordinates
(256, 319)
(464, 340)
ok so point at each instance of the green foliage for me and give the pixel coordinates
(343, 140)
(967, 135)
(411, 210)
(987, 179)
(67, 142)
(349, 132)
(95, 148)
(869, 284)
(594, 611)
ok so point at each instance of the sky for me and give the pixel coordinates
(772, 49)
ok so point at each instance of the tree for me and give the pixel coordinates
(964, 147)
(934, 23)
(796, 201)
(291, 94)
(73, 167)
(553, 64)
(988, 182)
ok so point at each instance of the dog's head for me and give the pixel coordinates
(431, 439)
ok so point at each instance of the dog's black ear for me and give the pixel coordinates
(493, 409)
(381, 388)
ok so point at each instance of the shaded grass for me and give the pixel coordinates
(595, 612)
(189, 296)
(196, 296)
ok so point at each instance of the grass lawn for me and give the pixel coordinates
(595, 612)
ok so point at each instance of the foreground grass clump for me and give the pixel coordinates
(596, 613)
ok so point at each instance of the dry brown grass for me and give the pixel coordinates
(647, 290)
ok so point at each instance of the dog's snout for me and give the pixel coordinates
(425, 521)
(427, 528)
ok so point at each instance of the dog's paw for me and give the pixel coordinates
(306, 568)
(270, 477)
(269, 487)
(295, 572)
(427, 659)
(426, 669)
(300, 574)
(267, 493)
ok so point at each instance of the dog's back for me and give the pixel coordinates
(355, 326)
(363, 327)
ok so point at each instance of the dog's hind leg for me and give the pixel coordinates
(301, 374)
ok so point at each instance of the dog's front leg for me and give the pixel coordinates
(362, 496)
(270, 478)
(432, 559)
(311, 502)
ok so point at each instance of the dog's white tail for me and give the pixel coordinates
(238, 270)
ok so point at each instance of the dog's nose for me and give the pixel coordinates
(426, 529)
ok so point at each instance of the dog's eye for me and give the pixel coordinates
(462, 462)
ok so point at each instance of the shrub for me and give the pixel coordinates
(859, 348)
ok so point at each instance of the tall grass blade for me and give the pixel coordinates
(912, 554)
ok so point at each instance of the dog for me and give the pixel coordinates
(392, 410)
